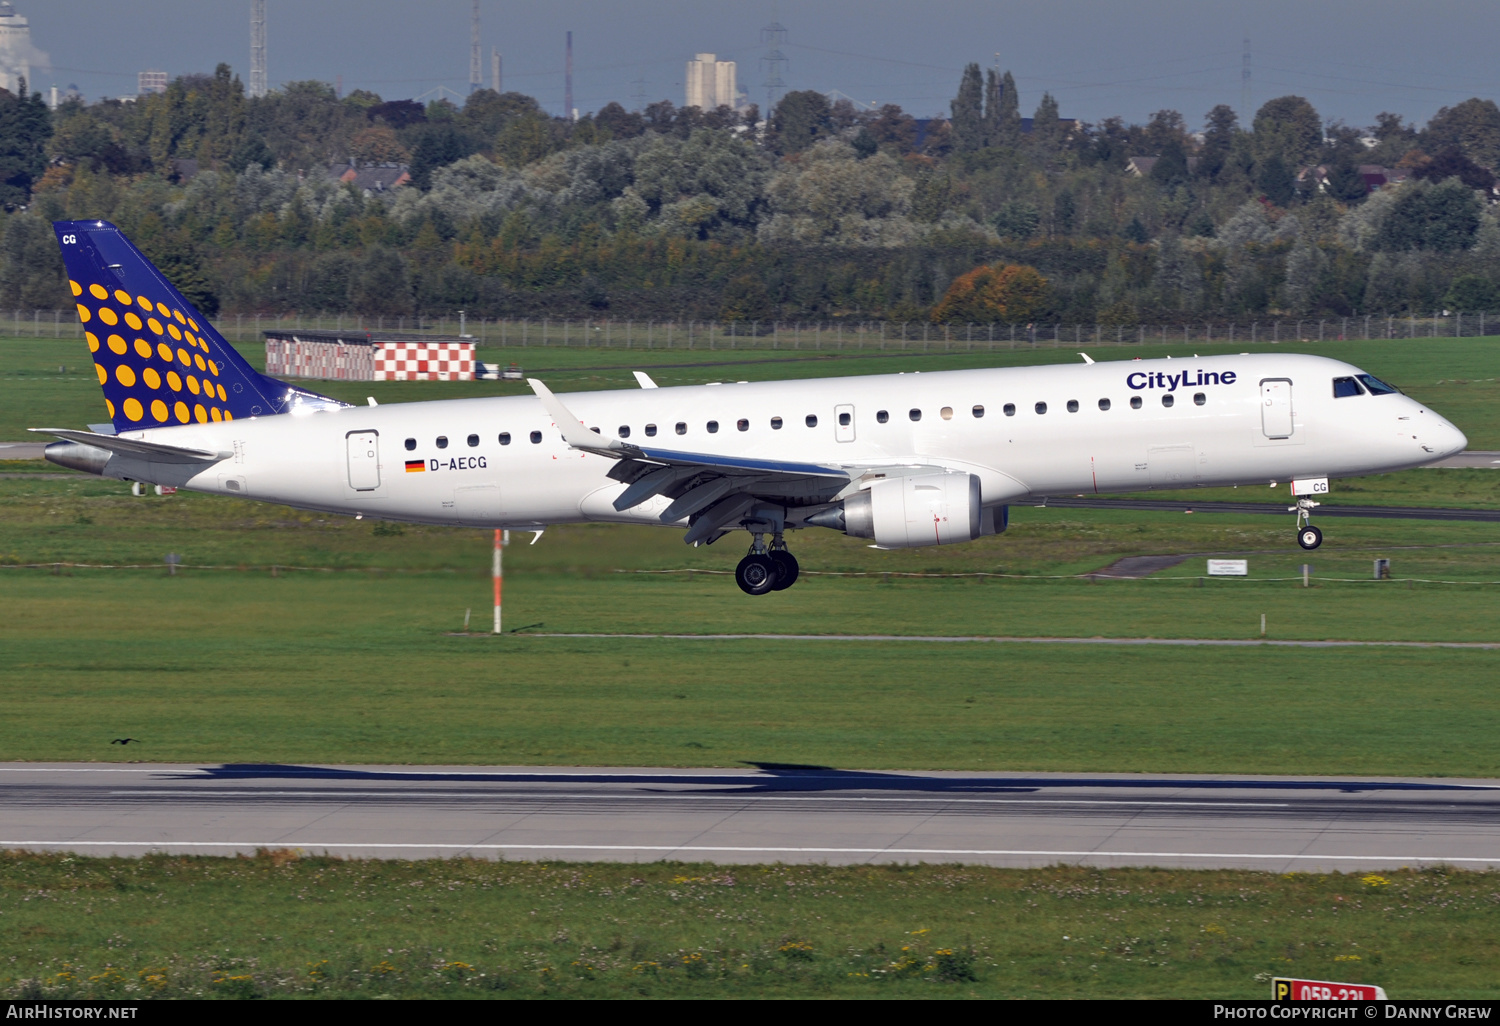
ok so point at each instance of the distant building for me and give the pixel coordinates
(151, 82)
(369, 356)
(15, 49)
(372, 179)
(710, 82)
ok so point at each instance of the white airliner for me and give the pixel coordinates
(901, 459)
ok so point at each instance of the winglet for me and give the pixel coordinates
(643, 379)
(573, 430)
(1086, 358)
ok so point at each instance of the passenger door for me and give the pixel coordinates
(1276, 407)
(364, 460)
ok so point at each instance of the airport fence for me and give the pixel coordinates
(817, 335)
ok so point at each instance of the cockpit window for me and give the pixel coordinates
(1378, 387)
(1345, 387)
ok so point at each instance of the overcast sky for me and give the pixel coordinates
(1351, 58)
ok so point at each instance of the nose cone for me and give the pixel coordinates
(1448, 440)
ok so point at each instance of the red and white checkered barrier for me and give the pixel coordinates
(419, 361)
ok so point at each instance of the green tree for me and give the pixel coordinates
(1016, 219)
(1288, 127)
(1276, 181)
(1473, 126)
(1441, 217)
(799, 120)
(25, 127)
(31, 268)
(1471, 292)
(1046, 126)
(968, 112)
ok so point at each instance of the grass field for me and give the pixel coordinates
(277, 925)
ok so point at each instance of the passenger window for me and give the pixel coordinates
(978, 412)
(812, 420)
(946, 413)
(845, 420)
(1072, 405)
(1103, 404)
(775, 423)
(1009, 409)
(624, 431)
(1135, 402)
(650, 430)
(1168, 399)
(536, 438)
(882, 416)
(1041, 407)
(473, 441)
(915, 414)
(1345, 387)
(442, 441)
(713, 427)
(411, 444)
(1199, 398)
(743, 425)
(681, 428)
(505, 438)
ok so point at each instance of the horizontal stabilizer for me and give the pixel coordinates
(154, 452)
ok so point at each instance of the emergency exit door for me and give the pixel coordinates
(1276, 407)
(364, 460)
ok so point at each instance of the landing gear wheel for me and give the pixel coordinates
(786, 565)
(1309, 537)
(756, 574)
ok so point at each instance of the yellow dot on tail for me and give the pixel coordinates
(83, 314)
(134, 321)
(200, 414)
(151, 378)
(192, 384)
(183, 358)
(155, 325)
(174, 381)
(213, 368)
(116, 344)
(217, 416)
(103, 374)
(108, 315)
(172, 330)
(182, 412)
(93, 341)
(180, 319)
(222, 397)
(122, 297)
(144, 348)
(143, 303)
(133, 408)
(161, 308)
(77, 288)
(193, 324)
(110, 406)
(98, 291)
(198, 359)
(126, 376)
(159, 411)
(164, 351)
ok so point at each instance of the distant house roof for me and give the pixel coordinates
(184, 170)
(372, 178)
(1141, 166)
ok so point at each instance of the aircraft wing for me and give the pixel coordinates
(710, 489)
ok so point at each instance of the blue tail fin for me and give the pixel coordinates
(158, 359)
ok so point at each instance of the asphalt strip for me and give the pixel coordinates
(1003, 640)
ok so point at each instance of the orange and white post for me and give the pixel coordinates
(498, 570)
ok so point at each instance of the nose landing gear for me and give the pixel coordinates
(766, 569)
(1308, 536)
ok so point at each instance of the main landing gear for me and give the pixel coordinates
(766, 569)
(1308, 536)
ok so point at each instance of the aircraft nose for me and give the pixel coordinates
(1449, 440)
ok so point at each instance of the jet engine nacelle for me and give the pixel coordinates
(923, 509)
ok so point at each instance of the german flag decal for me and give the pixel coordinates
(415, 466)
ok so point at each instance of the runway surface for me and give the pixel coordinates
(764, 813)
(1274, 508)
